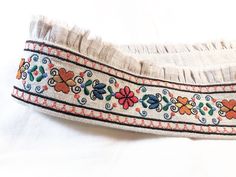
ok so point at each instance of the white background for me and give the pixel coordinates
(36, 145)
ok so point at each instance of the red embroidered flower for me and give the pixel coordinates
(229, 107)
(126, 97)
(64, 80)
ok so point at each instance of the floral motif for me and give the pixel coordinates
(184, 105)
(33, 72)
(229, 108)
(85, 87)
(154, 101)
(126, 97)
(64, 80)
(42, 74)
(98, 90)
(23, 66)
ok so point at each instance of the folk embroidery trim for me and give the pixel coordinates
(86, 87)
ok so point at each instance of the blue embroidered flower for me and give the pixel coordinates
(154, 101)
(98, 90)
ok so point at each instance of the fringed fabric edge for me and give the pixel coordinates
(145, 60)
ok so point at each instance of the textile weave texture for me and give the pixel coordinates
(144, 90)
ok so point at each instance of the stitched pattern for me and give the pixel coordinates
(34, 70)
(66, 55)
(88, 113)
(113, 95)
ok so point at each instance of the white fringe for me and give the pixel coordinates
(200, 64)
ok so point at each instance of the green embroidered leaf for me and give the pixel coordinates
(86, 91)
(165, 108)
(108, 97)
(144, 104)
(165, 99)
(210, 112)
(41, 69)
(109, 88)
(33, 68)
(31, 77)
(200, 105)
(39, 78)
(88, 83)
(145, 97)
(202, 112)
(208, 105)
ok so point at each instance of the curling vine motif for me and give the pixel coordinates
(111, 94)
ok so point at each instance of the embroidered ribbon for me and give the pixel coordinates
(150, 105)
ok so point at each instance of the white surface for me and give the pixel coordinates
(33, 144)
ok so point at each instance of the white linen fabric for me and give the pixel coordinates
(178, 90)
(34, 144)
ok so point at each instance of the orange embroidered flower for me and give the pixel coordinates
(64, 80)
(21, 69)
(229, 108)
(183, 105)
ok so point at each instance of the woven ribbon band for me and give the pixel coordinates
(72, 86)
(66, 83)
